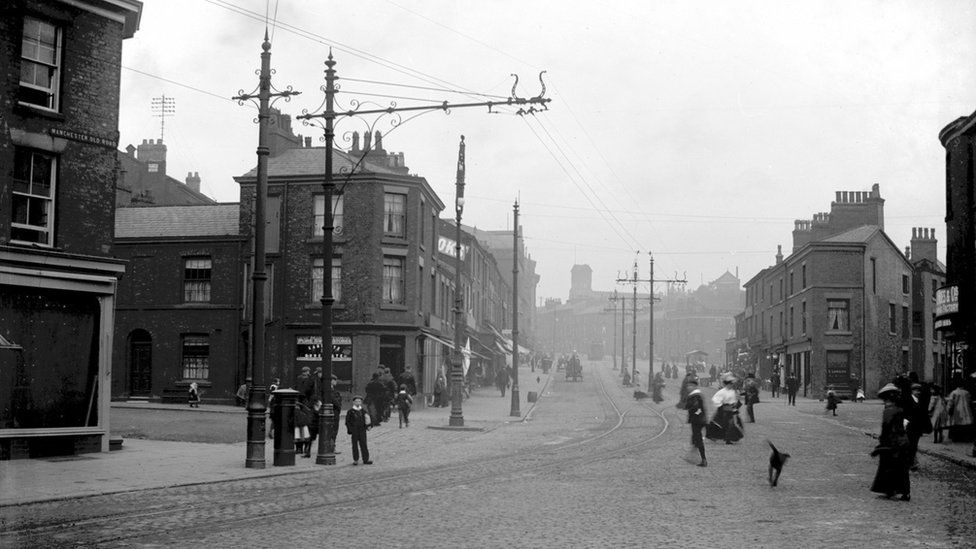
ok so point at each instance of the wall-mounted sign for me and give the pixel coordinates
(446, 246)
(946, 301)
(84, 137)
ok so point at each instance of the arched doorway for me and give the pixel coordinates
(140, 363)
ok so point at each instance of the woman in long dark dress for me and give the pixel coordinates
(893, 449)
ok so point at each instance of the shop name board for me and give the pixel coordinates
(310, 348)
(947, 300)
(446, 246)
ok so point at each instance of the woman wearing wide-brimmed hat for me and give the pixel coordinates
(893, 450)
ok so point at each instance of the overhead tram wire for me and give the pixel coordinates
(659, 245)
(356, 52)
(588, 186)
(622, 237)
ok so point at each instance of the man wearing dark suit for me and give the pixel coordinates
(792, 385)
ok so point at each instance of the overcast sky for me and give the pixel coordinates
(698, 131)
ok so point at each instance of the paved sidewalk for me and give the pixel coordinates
(866, 418)
(144, 464)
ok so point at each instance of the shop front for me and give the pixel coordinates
(56, 326)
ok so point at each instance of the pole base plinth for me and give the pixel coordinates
(456, 421)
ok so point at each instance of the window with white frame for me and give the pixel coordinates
(196, 357)
(318, 275)
(197, 272)
(32, 215)
(40, 64)
(393, 280)
(395, 214)
(318, 215)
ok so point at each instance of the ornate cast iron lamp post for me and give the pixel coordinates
(257, 399)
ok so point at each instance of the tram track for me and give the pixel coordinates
(233, 502)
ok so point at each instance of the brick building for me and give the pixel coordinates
(178, 313)
(501, 246)
(383, 264)
(59, 130)
(839, 310)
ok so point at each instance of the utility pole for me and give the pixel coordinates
(623, 335)
(257, 400)
(329, 115)
(613, 310)
(515, 293)
(651, 280)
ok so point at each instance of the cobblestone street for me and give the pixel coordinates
(590, 467)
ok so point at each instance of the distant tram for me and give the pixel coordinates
(596, 351)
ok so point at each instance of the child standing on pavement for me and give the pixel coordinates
(193, 395)
(403, 402)
(357, 423)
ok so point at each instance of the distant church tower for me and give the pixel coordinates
(581, 286)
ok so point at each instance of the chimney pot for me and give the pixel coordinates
(308, 142)
(837, 193)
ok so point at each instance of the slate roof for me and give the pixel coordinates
(311, 161)
(859, 234)
(178, 221)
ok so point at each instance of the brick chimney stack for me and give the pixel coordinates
(779, 254)
(153, 155)
(193, 180)
(924, 244)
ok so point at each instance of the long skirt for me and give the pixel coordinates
(725, 425)
(892, 475)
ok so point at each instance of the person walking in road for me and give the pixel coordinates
(375, 399)
(403, 402)
(774, 382)
(792, 385)
(893, 452)
(697, 417)
(917, 414)
(657, 385)
(750, 392)
(725, 422)
(357, 424)
(832, 401)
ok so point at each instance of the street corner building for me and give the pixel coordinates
(847, 308)
(58, 172)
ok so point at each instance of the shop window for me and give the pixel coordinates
(40, 64)
(196, 357)
(32, 215)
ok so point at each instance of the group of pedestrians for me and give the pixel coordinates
(381, 394)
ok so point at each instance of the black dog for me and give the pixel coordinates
(776, 462)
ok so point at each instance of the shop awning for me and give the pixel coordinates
(524, 350)
(439, 340)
